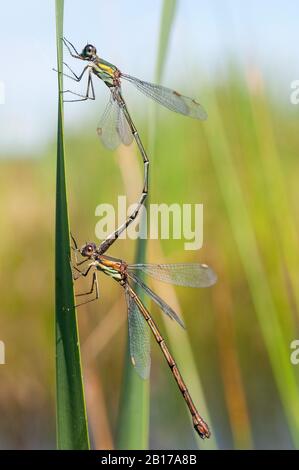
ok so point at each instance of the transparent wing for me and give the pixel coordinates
(139, 339)
(181, 274)
(107, 127)
(169, 98)
(163, 305)
(113, 128)
(123, 128)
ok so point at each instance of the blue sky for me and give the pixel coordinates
(206, 34)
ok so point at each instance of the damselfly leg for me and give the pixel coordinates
(76, 250)
(94, 283)
(94, 287)
(69, 45)
(87, 94)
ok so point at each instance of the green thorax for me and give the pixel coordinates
(104, 70)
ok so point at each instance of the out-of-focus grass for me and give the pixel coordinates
(220, 164)
(267, 305)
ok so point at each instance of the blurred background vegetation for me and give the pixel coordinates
(242, 165)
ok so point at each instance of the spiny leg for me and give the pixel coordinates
(74, 241)
(78, 263)
(76, 78)
(66, 42)
(82, 273)
(94, 286)
(75, 250)
(83, 97)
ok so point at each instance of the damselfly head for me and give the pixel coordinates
(89, 249)
(89, 52)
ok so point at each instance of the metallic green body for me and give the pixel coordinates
(105, 71)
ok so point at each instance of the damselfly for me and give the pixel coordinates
(191, 275)
(116, 124)
(112, 135)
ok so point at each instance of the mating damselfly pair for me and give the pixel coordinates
(117, 127)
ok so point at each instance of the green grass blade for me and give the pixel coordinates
(167, 19)
(72, 432)
(133, 426)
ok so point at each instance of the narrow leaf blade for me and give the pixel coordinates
(72, 432)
